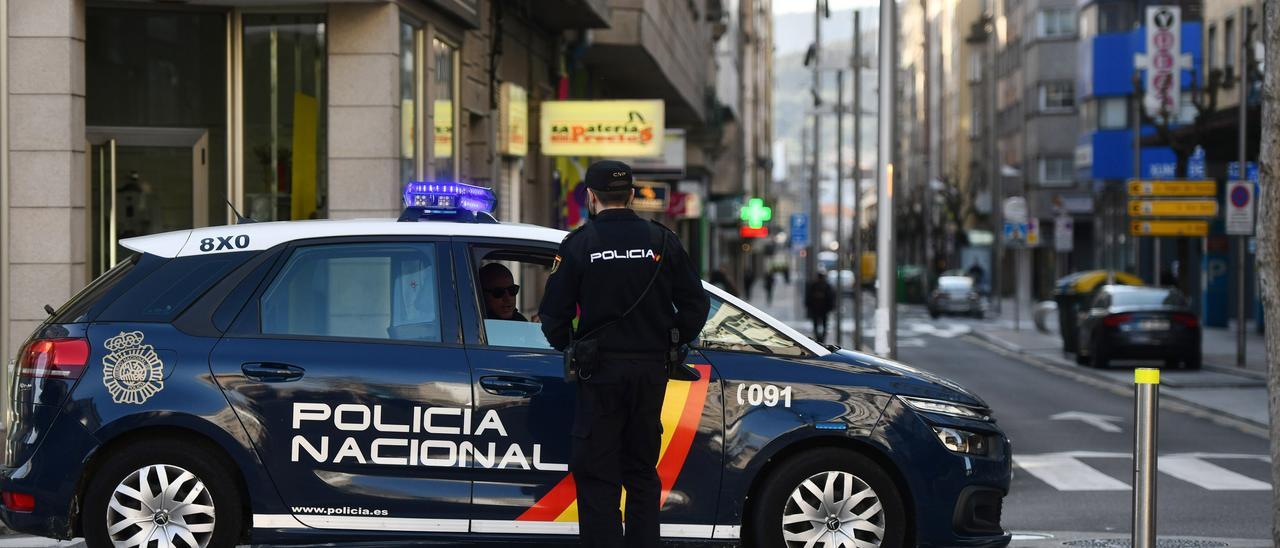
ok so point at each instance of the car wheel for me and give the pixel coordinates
(1193, 363)
(829, 497)
(934, 314)
(1099, 359)
(1082, 359)
(165, 494)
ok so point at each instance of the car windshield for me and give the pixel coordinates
(1148, 297)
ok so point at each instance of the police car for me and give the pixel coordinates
(342, 381)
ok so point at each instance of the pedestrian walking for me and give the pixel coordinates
(638, 301)
(748, 280)
(768, 287)
(819, 299)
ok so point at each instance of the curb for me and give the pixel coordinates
(1087, 376)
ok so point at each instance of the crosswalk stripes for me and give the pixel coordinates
(1066, 471)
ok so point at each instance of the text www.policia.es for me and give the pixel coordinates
(338, 511)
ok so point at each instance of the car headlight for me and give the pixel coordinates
(944, 408)
(962, 441)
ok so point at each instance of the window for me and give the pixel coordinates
(409, 89)
(1113, 113)
(1057, 96)
(975, 66)
(1228, 45)
(369, 291)
(444, 87)
(507, 304)
(284, 116)
(1056, 23)
(1056, 170)
(1211, 47)
(730, 328)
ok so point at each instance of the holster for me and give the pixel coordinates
(580, 359)
(677, 369)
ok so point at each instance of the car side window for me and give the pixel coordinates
(369, 291)
(509, 282)
(731, 328)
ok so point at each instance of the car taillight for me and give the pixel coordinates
(1116, 319)
(18, 502)
(1188, 320)
(54, 359)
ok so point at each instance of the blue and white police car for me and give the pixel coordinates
(345, 382)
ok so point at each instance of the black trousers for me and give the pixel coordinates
(617, 433)
(820, 328)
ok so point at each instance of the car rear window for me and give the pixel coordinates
(172, 288)
(1147, 298)
(101, 291)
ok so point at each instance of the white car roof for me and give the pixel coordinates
(260, 236)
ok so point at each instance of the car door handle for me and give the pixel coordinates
(272, 372)
(510, 386)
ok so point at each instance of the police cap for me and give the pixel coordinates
(608, 175)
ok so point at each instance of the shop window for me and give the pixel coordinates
(444, 111)
(285, 126)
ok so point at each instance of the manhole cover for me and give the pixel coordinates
(1161, 543)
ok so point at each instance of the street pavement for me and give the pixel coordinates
(1072, 431)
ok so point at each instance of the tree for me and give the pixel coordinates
(1269, 240)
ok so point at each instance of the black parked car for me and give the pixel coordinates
(1140, 323)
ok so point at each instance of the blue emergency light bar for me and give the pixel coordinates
(461, 201)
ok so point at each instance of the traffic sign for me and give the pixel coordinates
(1015, 209)
(1239, 219)
(1063, 233)
(799, 230)
(1173, 208)
(1169, 228)
(1173, 188)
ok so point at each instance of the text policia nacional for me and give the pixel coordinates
(403, 443)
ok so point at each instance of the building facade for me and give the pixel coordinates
(129, 118)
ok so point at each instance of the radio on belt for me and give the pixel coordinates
(460, 202)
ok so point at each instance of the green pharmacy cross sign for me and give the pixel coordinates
(755, 213)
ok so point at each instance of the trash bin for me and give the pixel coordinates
(1073, 293)
(910, 287)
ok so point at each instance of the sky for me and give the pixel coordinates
(806, 6)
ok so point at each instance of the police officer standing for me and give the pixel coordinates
(603, 271)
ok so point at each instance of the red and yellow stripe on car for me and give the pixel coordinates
(681, 412)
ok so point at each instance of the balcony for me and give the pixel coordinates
(657, 49)
(572, 14)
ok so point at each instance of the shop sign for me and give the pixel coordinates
(442, 117)
(651, 196)
(602, 128)
(670, 165)
(513, 120)
(1164, 60)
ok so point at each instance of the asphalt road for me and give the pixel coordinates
(1071, 475)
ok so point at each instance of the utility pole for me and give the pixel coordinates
(886, 330)
(815, 176)
(993, 166)
(857, 181)
(1137, 174)
(927, 142)
(1242, 241)
(840, 246)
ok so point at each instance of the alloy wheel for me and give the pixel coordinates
(833, 509)
(162, 506)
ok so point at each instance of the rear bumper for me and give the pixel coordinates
(51, 475)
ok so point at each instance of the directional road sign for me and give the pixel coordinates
(1173, 188)
(1168, 228)
(799, 230)
(1173, 208)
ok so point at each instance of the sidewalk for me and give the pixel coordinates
(1219, 388)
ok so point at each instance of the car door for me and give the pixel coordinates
(526, 486)
(350, 380)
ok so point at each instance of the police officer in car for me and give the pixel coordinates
(636, 295)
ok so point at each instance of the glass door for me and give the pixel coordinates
(144, 181)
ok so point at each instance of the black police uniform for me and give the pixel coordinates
(603, 269)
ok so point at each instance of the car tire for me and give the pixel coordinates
(934, 314)
(1193, 363)
(137, 470)
(850, 473)
(1097, 358)
(1082, 359)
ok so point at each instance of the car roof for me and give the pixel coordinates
(260, 236)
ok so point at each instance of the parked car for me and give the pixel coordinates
(1139, 323)
(331, 382)
(955, 295)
